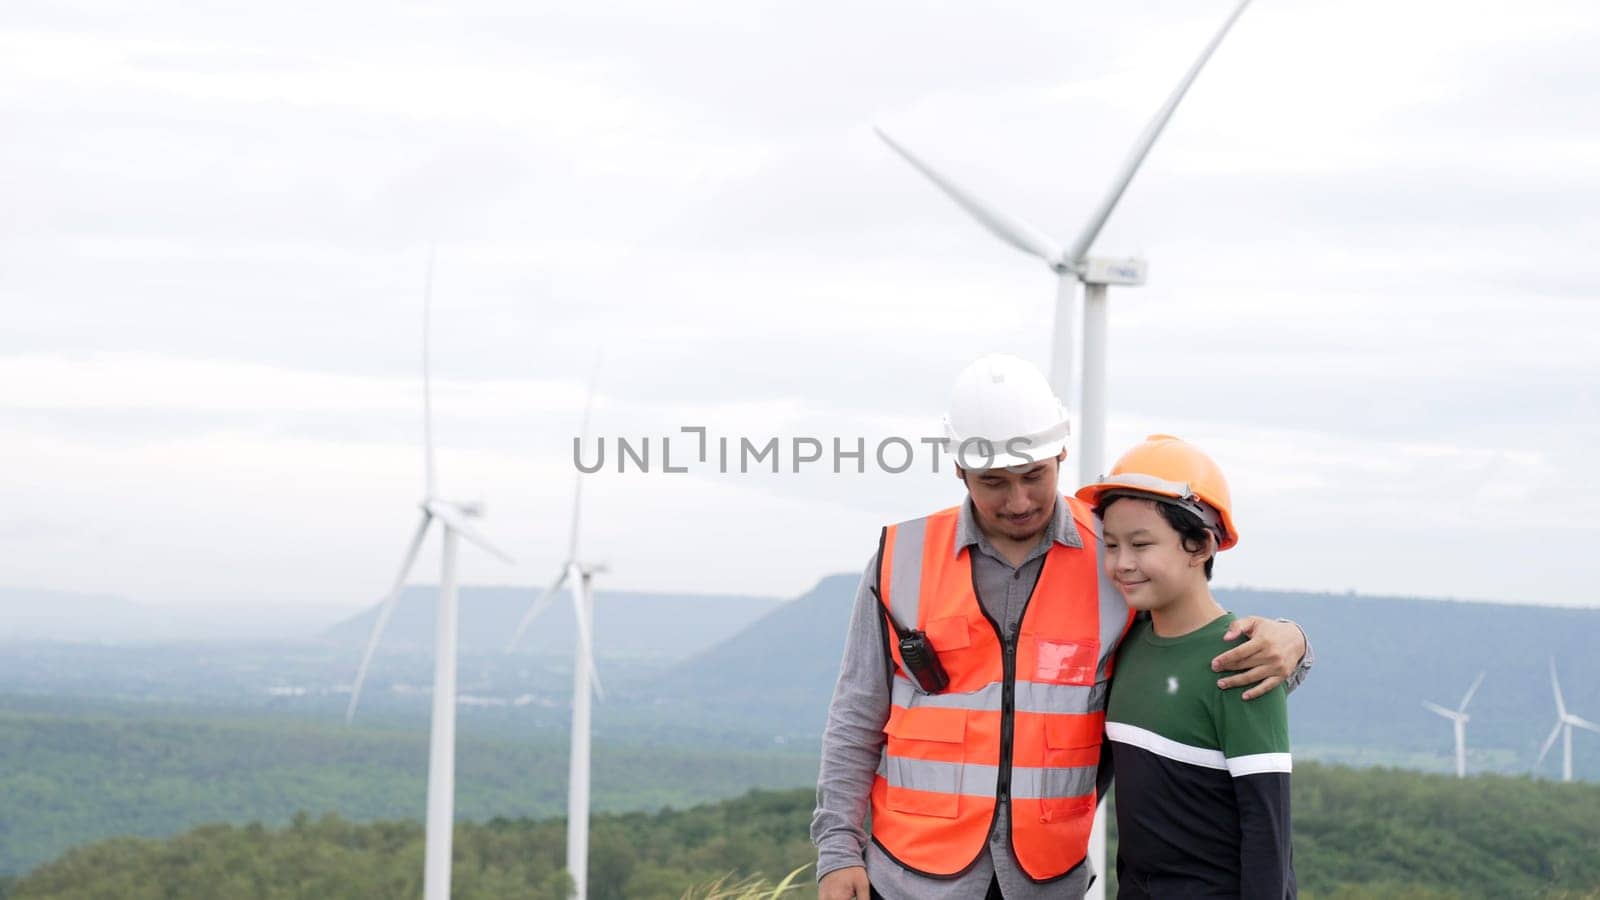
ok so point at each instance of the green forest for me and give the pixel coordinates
(66, 781)
(1358, 833)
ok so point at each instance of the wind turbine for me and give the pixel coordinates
(1564, 721)
(1072, 265)
(453, 520)
(578, 576)
(1459, 717)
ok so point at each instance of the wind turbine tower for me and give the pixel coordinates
(1565, 722)
(454, 520)
(1459, 717)
(578, 576)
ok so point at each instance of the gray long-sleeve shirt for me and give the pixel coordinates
(852, 743)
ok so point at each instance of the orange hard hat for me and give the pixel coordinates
(1174, 471)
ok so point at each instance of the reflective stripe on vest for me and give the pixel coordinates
(944, 767)
(980, 780)
(1031, 696)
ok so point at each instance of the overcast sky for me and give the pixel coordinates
(1370, 230)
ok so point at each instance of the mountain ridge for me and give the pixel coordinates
(1377, 659)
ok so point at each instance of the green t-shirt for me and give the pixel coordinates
(1202, 775)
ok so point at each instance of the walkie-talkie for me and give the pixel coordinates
(918, 654)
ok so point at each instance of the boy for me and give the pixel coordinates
(1202, 775)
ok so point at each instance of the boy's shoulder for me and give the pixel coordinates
(1197, 647)
(1166, 686)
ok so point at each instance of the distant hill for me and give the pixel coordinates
(34, 615)
(626, 623)
(746, 671)
(37, 614)
(1378, 658)
(779, 671)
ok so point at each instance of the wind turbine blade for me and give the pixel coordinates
(459, 524)
(572, 526)
(1450, 714)
(577, 487)
(1013, 231)
(1548, 743)
(1141, 148)
(588, 403)
(1470, 691)
(539, 606)
(384, 611)
(427, 379)
(1555, 684)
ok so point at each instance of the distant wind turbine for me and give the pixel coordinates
(1565, 722)
(1459, 717)
(578, 576)
(453, 519)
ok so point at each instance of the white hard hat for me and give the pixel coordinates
(1003, 414)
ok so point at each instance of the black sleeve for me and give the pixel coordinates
(1266, 868)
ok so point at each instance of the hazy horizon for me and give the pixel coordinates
(198, 622)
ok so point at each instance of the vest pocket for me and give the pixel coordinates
(1065, 662)
(923, 760)
(1072, 760)
(1066, 809)
(952, 633)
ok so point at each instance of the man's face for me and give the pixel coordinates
(1015, 505)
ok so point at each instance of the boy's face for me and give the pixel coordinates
(1145, 556)
(1016, 505)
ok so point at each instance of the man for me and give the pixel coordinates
(982, 771)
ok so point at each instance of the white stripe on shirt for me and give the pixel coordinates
(1257, 763)
(1124, 733)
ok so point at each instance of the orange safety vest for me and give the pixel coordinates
(1019, 720)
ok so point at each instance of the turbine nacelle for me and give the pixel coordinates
(1450, 714)
(458, 517)
(466, 509)
(1129, 271)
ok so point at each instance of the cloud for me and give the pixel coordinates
(1369, 231)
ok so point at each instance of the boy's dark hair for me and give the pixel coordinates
(1192, 533)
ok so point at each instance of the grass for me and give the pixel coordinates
(747, 889)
